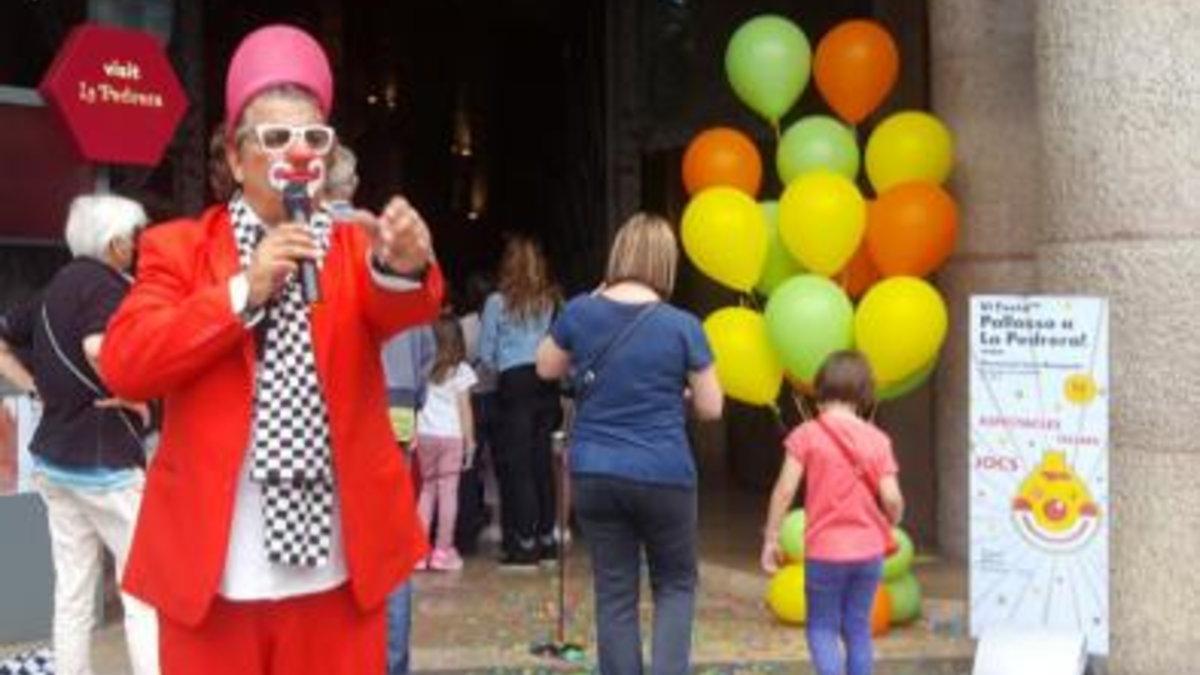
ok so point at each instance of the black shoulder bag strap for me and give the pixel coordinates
(585, 381)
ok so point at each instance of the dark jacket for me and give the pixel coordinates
(73, 432)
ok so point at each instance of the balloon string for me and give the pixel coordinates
(778, 415)
(801, 407)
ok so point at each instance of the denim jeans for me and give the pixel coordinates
(620, 519)
(839, 611)
(399, 624)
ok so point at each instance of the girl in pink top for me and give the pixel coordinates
(851, 502)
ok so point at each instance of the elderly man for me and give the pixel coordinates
(278, 515)
(88, 450)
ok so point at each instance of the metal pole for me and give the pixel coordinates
(558, 442)
(103, 179)
(559, 648)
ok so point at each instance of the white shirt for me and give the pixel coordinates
(439, 415)
(249, 575)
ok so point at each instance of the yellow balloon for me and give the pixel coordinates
(900, 326)
(785, 594)
(725, 235)
(747, 366)
(907, 146)
(822, 216)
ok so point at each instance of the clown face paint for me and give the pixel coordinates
(263, 174)
(281, 172)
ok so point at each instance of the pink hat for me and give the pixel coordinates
(275, 55)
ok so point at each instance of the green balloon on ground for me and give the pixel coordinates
(905, 594)
(817, 142)
(780, 265)
(791, 536)
(808, 318)
(899, 563)
(907, 385)
(768, 62)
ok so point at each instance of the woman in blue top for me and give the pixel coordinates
(633, 477)
(515, 318)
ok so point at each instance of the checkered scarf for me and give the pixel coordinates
(290, 435)
(38, 661)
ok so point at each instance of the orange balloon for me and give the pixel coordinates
(881, 611)
(855, 67)
(722, 156)
(859, 274)
(911, 229)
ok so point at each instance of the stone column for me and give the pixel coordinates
(1119, 106)
(984, 89)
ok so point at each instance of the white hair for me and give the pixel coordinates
(286, 91)
(343, 174)
(95, 221)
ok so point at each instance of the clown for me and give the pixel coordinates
(1054, 509)
(277, 515)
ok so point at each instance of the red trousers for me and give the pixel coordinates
(321, 634)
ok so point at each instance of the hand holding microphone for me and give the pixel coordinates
(277, 257)
(299, 208)
(400, 240)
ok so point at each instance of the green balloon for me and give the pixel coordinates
(767, 62)
(905, 594)
(791, 536)
(808, 318)
(817, 142)
(899, 563)
(907, 385)
(780, 265)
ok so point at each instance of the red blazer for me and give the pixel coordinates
(176, 337)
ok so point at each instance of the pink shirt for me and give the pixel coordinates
(844, 519)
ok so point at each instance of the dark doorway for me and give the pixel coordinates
(489, 117)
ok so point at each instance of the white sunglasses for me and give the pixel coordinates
(276, 138)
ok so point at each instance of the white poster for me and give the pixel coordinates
(1039, 465)
(19, 416)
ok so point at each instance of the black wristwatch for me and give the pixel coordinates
(418, 276)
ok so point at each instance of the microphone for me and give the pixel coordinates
(299, 207)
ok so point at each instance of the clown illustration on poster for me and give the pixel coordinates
(1039, 504)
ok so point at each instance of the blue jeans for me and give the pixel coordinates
(399, 624)
(620, 519)
(839, 610)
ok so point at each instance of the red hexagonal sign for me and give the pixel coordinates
(117, 93)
